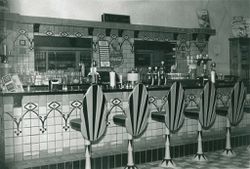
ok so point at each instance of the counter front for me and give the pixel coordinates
(35, 125)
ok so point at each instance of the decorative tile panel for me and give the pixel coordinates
(2, 133)
(42, 129)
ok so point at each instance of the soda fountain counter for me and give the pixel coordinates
(34, 126)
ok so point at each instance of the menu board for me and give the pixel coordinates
(8, 83)
(104, 53)
(11, 83)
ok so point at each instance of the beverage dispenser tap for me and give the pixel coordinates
(82, 71)
(93, 75)
(213, 72)
(162, 77)
(149, 78)
(155, 76)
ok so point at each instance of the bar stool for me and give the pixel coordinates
(135, 119)
(173, 118)
(233, 113)
(205, 115)
(93, 121)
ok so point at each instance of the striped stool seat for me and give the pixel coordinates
(93, 121)
(172, 117)
(120, 120)
(192, 113)
(76, 124)
(158, 116)
(247, 109)
(205, 115)
(222, 111)
(135, 118)
(234, 113)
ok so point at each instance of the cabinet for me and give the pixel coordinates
(240, 57)
(62, 53)
(151, 53)
(61, 59)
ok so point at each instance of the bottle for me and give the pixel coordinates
(162, 78)
(149, 78)
(133, 77)
(94, 66)
(120, 82)
(64, 83)
(213, 73)
(4, 56)
(93, 75)
(155, 76)
(82, 72)
(112, 81)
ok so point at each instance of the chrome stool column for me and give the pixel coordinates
(135, 118)
(173, 118)
(205, 115)
(93, 121)
(233, 113)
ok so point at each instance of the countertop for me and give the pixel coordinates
(76, 89)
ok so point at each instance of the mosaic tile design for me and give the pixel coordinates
(2, 154)
(40, 128)
(20, 42)
(43, 128)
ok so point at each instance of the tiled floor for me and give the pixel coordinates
(215, 161)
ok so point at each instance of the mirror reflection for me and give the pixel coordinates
(152, 54)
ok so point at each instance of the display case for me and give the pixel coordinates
(240, 58)
(61, 59)
(62, 53)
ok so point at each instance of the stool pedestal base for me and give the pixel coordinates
(248, 148)
(130, 167)
(130, 164)
(228, 153)
(167, 163)
(87, 155)
(200, 157)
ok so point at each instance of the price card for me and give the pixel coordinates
(104, 53)
(12, 83)
(8, 83)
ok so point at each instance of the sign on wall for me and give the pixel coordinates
(11, 83)
(116, 56)
(104, 53)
